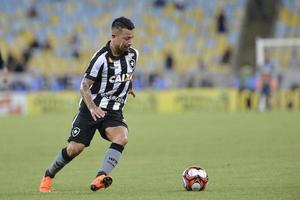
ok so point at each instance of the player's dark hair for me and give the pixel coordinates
(122, 22)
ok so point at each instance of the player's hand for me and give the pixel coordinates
(132, 92)
(97, 112)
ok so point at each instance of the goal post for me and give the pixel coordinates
(263, 43)
(282, 56)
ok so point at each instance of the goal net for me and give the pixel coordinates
(284, 56)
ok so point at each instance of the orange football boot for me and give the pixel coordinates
(46, 184)
(102, 181)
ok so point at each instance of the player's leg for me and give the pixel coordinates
(262, 102)
(63, 158)
(119, 137)
(80, 137)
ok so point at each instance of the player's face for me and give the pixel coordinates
(124, 39)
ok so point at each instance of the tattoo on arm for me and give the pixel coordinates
(86, 92)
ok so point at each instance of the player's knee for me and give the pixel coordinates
(74, 149)
(124, 140)
(118, 135)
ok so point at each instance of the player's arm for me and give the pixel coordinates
(86, 94)
(131, 90)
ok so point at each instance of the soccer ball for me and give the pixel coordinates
(194, 178)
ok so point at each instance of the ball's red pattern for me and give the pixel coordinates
(192, 175)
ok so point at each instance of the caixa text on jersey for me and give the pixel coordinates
(120, 78)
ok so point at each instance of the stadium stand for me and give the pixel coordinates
(67, 33)
(288, 59)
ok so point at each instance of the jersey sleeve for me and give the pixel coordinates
(95, 65)
(136, 52)
(135, 57)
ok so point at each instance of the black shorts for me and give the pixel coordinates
(84, 126)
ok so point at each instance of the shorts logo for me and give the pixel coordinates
(75, 131)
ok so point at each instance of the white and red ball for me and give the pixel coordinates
(194, 178)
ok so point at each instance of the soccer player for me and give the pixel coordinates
(104, 90)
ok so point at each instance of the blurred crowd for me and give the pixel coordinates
(47, 44)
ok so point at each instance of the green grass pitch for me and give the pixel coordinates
(247, 156)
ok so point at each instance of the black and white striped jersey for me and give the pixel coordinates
(112, 77)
